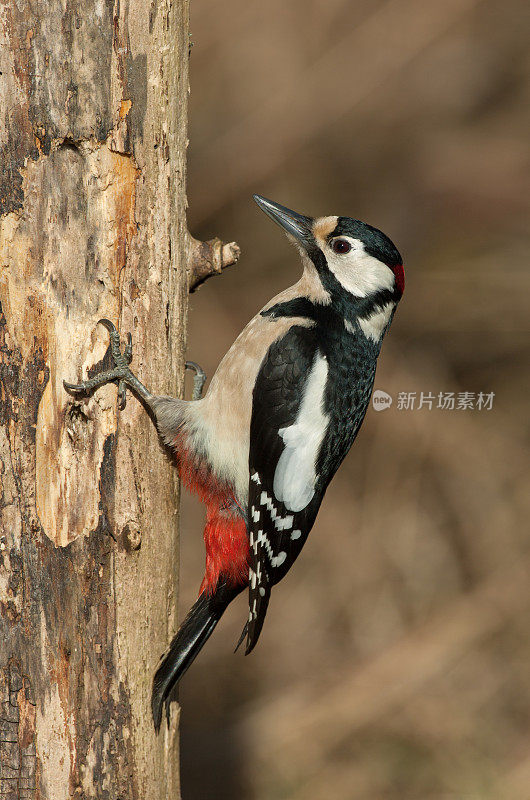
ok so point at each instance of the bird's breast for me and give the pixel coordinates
(219, 424)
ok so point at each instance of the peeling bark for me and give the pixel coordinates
(92, 224)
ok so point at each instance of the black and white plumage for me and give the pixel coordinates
(281, 412)
(309, 400)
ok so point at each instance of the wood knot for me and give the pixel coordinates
(131, 536)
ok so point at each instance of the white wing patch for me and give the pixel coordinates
(294, 477)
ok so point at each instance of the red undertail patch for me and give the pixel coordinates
(227, 549)
(225, 533)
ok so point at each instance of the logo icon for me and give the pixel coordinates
(381, 400)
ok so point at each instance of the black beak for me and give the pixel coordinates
(295, 224)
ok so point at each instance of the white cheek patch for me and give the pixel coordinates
(374, 325)
(358, 272)
(294, 477)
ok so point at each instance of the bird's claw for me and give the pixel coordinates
(127, 351)
(120, 373)
(198, 379)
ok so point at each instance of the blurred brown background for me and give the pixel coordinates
(395, 660)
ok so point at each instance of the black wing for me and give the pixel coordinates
(277, 533)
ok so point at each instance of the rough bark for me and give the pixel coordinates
(92, 223)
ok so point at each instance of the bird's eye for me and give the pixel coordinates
(341, 246)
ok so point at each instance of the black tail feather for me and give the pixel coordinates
(194, 632)
(241, 638)
(259, 606)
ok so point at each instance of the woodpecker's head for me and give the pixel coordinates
(357, 265)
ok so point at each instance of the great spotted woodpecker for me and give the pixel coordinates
(281, 412)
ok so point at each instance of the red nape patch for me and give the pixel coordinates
(399, 275)
(227, 549)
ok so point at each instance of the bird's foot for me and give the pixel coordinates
(120, 374)
(199, 379)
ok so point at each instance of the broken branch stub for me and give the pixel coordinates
(209, 258)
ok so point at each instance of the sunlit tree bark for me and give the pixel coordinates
(92, 224)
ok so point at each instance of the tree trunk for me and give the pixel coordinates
(92, 224)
